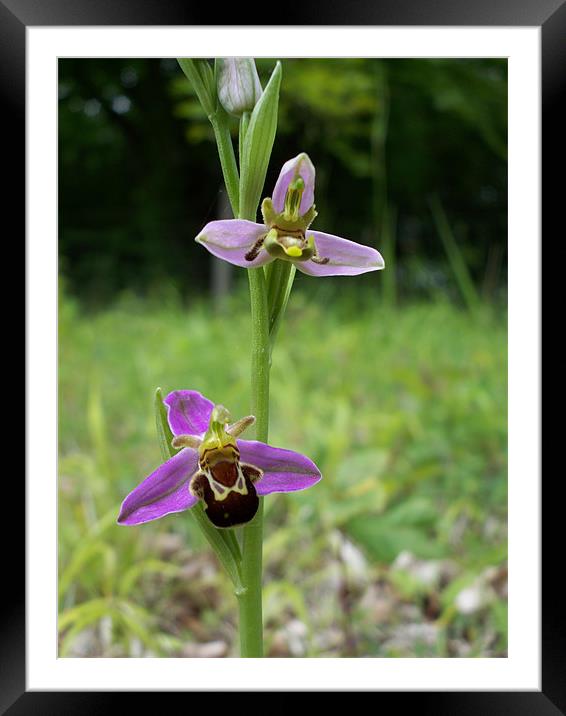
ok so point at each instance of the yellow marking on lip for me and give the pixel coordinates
(294, 251)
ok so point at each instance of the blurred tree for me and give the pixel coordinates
(128, 189)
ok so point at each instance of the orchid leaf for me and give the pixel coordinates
(164, 434)
(200, 75)
(280, 277)
(257, 146)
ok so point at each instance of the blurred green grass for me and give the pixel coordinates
(399, 551)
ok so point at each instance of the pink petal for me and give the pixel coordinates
(188, 412)
(299, 165)
(346, 257)
(231, 239)
(166, 490)
(283, 470)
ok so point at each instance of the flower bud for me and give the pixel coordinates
(238, 84)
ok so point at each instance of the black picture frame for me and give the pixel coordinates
(550, 16)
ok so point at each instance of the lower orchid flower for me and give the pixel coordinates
(212, 465)
(285, 233)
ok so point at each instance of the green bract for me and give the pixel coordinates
(257, 146)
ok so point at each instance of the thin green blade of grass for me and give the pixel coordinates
(388, 248)
(455, 257)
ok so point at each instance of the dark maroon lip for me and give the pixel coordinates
(235, 509)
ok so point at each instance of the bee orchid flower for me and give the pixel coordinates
(213, 465)
(285, 232)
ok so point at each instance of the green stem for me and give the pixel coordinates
(250, 597)
(251, 623)
(260, 352)
(250, 601)
(227, 158)
(250, 566)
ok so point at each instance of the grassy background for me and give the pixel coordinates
(399, 551)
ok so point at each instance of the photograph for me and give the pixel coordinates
(283, 321)
(282, 363)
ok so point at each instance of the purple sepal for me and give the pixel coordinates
(232, 239)
(188, 412)
(166, 490)
(345, 258)
(283, 470)
(302, 166)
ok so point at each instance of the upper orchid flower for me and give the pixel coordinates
(285, 232)
(212, 465)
